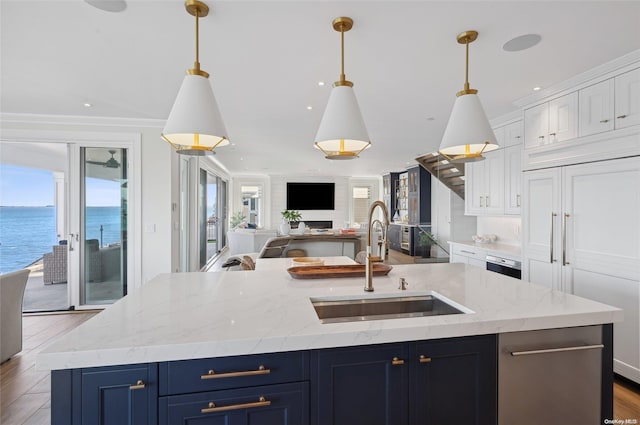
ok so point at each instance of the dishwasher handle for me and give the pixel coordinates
(557, 350)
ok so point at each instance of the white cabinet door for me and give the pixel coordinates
(627, 93)
(596, 108)
(494, 182)
(513, 134)
(513, 179)
(563, 118)
(474, 188)
(602, 214)
(540, 224)
(536, 126)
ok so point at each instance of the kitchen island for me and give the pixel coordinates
(261, 327)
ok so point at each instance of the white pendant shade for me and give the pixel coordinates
(194, 124)
(468, 130)
(342, 132)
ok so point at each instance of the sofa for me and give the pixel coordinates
(248, 240)
(12, 287)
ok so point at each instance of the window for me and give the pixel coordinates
(251, 203)
(361, 200)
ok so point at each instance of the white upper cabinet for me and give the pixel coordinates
(484, 185)
(512, 134)
(627, 92)
(551, 122)
(536, 126)
(513, 179)
(596, 108)
(563, 118)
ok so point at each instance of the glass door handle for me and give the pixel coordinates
(72, 236)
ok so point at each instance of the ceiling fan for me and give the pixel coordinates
(109, 163)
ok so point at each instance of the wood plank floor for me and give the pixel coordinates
(25, 393)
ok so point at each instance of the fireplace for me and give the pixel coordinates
(315, 224)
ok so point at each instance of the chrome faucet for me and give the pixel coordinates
(370, 259)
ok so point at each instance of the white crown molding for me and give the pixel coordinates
(601, 72)
(80, 120)
(508, 118)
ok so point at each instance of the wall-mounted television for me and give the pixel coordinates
(311, 196)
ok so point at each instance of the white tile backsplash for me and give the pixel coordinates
(506, 228)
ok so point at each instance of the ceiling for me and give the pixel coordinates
(266, 59)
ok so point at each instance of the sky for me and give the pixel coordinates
(30, 187)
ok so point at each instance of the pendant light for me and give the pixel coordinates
(342, 133)
(194, 126)
(468, 133)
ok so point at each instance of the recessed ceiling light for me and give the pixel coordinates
(87, 105)
(521, 42)
(536, 88)
(321, 83)
(309, 107)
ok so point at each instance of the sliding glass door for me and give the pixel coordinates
(98, 243)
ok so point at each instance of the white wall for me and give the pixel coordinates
(339, 215)
(155, 176)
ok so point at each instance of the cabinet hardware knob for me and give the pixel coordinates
(621, 117)
(211, 407)
(213, 375)
(138, 386)
(604, 121)
(540, 137)
(517, 137)
(424, 359)
(397, 362)
(552, 134)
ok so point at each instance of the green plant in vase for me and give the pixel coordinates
(236, 219)
(426, 240)
(287, 217)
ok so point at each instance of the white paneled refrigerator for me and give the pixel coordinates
(581, 235)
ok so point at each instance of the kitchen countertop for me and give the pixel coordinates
(513, 252)
(197, 315)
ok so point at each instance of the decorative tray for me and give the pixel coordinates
(323, 272)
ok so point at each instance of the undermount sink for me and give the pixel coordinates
(345, 309)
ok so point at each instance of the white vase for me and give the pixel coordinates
(285, 227)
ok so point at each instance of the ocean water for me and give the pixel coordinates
(27, 233)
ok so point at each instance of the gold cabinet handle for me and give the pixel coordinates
(213, 375)
(211, 408)
(424, 359)
(138, 386)
(564, 240)
(397, 362)
(551, 260)
(604, 121)
(621, 117)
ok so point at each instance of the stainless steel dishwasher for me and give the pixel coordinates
(550, 376)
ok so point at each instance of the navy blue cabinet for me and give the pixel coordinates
(280, 404)
(111, 395)
(454, 381)
(418, 383)
(359, 385)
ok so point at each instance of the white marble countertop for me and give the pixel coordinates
(512, 252)
(197, 315)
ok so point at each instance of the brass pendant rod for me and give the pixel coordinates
(197, 63)
(466, 75)
(342, 76)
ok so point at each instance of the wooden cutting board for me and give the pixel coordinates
(324, 272)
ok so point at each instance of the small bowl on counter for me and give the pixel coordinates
(306, 261)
